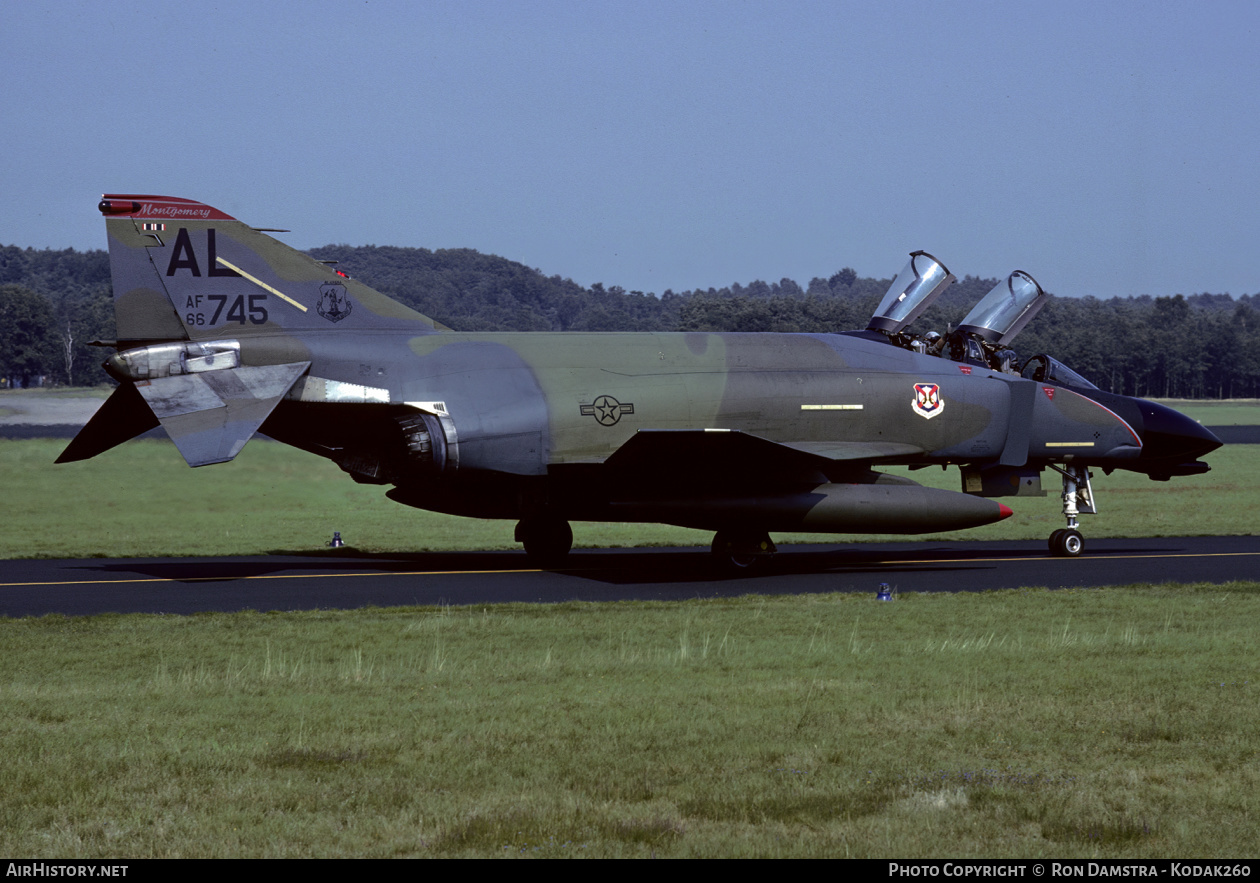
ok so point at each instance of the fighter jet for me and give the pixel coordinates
(223, 332)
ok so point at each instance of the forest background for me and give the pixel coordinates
(53, 303)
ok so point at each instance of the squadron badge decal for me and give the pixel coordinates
(927, 401)
(607, 410)
(334, 302)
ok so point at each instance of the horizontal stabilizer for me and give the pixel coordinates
(123, 416)
(211, 415)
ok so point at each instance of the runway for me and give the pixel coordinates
(346, 579)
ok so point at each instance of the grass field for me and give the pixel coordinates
(1115, 723)
(1228, 412)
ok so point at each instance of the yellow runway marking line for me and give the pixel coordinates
(225, 579)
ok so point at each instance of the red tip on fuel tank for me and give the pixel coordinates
(1006, 511)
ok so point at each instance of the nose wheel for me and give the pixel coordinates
(1078, 499)
(1066, 543)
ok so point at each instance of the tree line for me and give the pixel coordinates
(54, 303)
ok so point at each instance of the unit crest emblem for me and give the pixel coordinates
(927, 401)
(334, 302)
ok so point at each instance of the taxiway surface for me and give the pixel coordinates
(346, 579)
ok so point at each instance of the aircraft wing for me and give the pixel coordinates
(868, 451)
(697, 454)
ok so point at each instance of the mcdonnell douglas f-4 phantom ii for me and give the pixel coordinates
(223, 331)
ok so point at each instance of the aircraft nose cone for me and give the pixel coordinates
(1170, 438)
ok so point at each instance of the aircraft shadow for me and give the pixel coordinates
(615, 567)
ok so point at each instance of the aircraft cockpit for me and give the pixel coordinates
(1046, 369)
(983, 337)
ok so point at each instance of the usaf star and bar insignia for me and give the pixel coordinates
(606, 410)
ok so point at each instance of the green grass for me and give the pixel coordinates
(1228, 412)
(141, 500)
(1103, 723)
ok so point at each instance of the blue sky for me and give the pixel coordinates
(1105, 148)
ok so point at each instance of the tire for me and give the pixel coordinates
(732, 552)
(1068, 544)
(547, 542)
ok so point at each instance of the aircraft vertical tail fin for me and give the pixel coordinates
(190, 284)
(183, 270)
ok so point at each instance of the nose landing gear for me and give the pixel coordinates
(1078, 499)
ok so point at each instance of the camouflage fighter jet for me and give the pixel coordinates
(223, 331)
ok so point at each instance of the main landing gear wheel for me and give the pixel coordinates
(738, 552)
(547, 541)
(1066, 543)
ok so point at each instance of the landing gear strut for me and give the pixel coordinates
(739, 551)
(1078, 499)
(547, 541)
